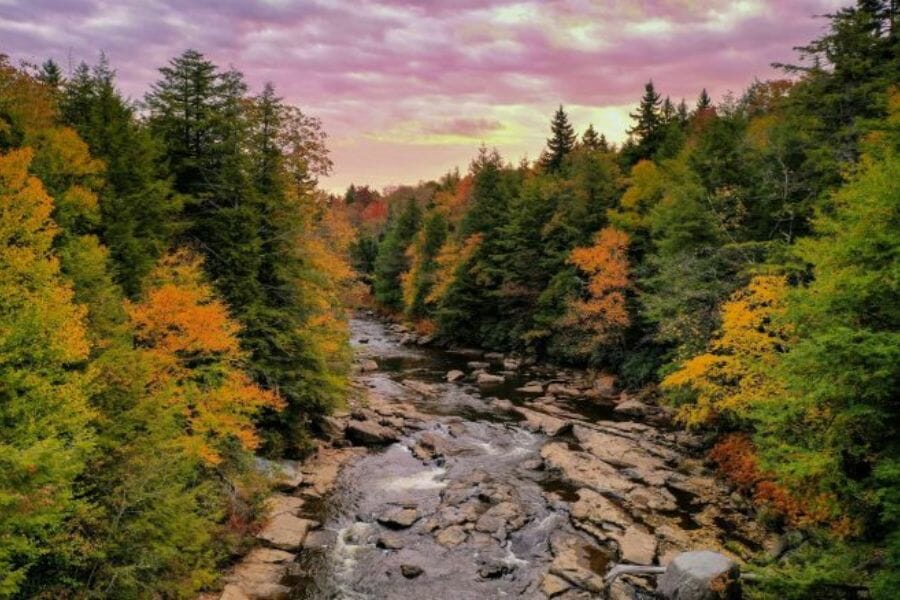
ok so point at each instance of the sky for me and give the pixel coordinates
(408, 89)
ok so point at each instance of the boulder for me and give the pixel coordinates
(512, 364)
(489, 379)
(398, 517)
(701, 575)
(370, 433)
(478, 364)
(454, 375)
(286, 532)
(585, 470)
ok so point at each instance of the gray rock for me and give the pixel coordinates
(702, 575)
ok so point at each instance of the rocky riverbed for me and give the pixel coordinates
(464, 475)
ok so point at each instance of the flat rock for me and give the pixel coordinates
(585, 469)
(636, 545)
(279, 504)
(233, 592)
(531, 388)
(489, 379)
(572, 562)
(596, 508)
(538, 421)
(478, 364)
(420, 386)
(632, 407)
(269, 555)
(624, 453)
(286, 532)
(368, 364)
(368, 433)
(559, 389)
(553, 585)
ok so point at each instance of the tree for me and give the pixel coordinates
(601, 315)
(591, 140)
(561, 142)
(704, 102)
(646, 130)
(44, 418)
(392, 260)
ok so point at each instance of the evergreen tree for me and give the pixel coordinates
(50, 74)
(647, 130)
(392, 261)
(560, 143)
(590, 139)
(703, 102)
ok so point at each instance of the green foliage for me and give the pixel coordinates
(391, 260)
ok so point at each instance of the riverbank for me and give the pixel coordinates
(487, 477)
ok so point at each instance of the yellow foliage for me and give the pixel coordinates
(735, 372)
(450, 258)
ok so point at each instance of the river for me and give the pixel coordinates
(475, 500)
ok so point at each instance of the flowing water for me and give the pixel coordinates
(487, 456)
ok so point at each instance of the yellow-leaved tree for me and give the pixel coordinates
(736, 371)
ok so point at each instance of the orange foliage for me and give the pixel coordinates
(735, 456)
(604, 313)
(191, 341)
(451, 257)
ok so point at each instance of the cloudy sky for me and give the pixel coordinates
(410, 88)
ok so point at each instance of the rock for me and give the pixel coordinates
(455, 375)
(512, 364)
(701, 575)
(269, 555)
(280, 504)
(531, 388)
(493, 567)
(368, 364)
(494, 357)
(572, 562)
(553, 585)
(363, 340)
(636, 546)
(411, 571)
(425, 340)
(489, 379)
(398, 518)
(286, 532)
(625, 453)
(451, 537)
(390, 541)
(233, 592)
(369, 433)
(538, 421)
(478, 364)
(472, 353)
(505, 515)
(420, 387)
(333, 428)
(585, 470)
(632, 407)
(559, 389)
(408, 339)
(597, 509)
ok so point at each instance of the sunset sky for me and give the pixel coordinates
(408, 89)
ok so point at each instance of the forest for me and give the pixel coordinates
(175, 288)
(739, 260)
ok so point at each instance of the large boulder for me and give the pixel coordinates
(701, 575)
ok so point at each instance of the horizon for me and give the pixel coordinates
(408, 91)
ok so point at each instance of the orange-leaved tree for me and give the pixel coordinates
(602, 313)
(191, 340)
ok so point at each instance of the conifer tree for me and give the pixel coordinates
(647, 130)
(560, 143)
(704, 101)
(590, 139)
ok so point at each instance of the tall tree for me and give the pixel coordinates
(647, 129)
(561, 142)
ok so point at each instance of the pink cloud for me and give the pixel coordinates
(461, 68)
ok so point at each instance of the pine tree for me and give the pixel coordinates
(590, 139)
(667, 113)
(682, 114)
(561, 143)
(703, 102)
(50, 75)
(646, 131)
